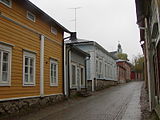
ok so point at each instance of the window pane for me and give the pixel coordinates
(5, 67)
(31, 62)
(73, 75)
(52, 81)
(78, 75)
(55, 73)
(82, 76)
(51, 67)
(4, 76)
(5, 57)
(26, 77)
(31, 71)
(54, 67)
(26, 61)
(26, 69)
(51, 70)
(31, 78)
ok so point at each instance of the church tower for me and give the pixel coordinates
(119, 50)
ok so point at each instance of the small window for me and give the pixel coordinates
(29, 64)
(73, 76)
(53, 73)
(6, 2)
(31, 16)
(100, 67)
(54, 30)
(5, 65)
(106, 70)
(82, 76)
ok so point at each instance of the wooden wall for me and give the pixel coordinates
(23, 38)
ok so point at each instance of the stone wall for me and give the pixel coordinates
(100, 84)
(22, 106)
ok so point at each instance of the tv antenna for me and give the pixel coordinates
(75, 17)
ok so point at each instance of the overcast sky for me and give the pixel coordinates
(103, 21)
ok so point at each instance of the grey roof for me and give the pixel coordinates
(83, 41)
(73, 47)
(113, 53)
(76, 41)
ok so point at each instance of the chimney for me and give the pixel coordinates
(73, 36)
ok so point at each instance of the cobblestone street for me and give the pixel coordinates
(115, 103)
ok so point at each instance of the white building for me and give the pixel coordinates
(101, 68)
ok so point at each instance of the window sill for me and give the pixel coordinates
(5, 84)
(29, 85)
(54, 85)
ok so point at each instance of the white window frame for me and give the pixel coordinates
(32, 55)
(7, 4)
(28, 12)
(55, 62)
(71, 83)
(55, 32)
(9, 50)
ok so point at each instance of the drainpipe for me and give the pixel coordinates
(42, 65)
(68, 61)
(87, 58)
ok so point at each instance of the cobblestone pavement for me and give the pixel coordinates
(115, 103)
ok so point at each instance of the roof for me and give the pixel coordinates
(73, 47)
(76, 41)
(113, 52)
(38, 10)
(83, 41)
(120, 60)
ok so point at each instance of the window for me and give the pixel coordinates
(105, 70)
(31, 16)
(29, 64)
(96, 66)
(5, 65)
(82, 76)
(54, 30)
(6, 2)
(73, 76)
(53, 72)
(100, 67)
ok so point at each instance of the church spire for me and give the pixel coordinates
(119, 50)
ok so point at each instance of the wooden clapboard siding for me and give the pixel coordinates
(52, 50)
(18, 13)
(22, 39)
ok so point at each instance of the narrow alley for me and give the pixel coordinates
(116, 103)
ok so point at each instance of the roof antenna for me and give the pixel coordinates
(75, 19)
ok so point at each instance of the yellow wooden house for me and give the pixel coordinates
(31, 52)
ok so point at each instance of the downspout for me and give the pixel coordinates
(68, 54)
(63, 67)
(42, 65)
(87, 58)
(65, 63)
